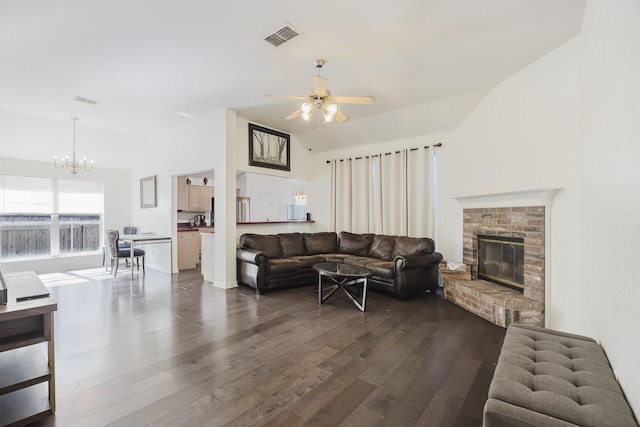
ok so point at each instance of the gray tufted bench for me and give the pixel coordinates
(549, 378)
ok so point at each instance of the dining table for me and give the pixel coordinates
(145, 239)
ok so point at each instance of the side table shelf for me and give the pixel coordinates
(27, 363)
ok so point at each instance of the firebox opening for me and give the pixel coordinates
(501, 260)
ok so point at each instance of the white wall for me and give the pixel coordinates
(117, 210)
(610, 202)
(570, 120)
(524, 135)
(36, 138)
(191, 148)
(196, 147)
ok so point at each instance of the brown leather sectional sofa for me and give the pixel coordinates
(402, 266)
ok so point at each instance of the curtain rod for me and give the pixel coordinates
(439, 144)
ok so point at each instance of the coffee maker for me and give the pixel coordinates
(199, 220)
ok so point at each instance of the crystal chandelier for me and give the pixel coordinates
(71, 164)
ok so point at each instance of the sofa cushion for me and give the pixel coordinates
(292, 244)
(361, 261)
(308, 260)
(354, 244)
(267, 243)
(325, 242)
(381, 269)
(334, 257)
(284, 265)
(413, 245)
(382, 247)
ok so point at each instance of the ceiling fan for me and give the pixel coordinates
(322, 100)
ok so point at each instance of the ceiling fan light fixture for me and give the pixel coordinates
(329, 111)
(306, 108)
(321, 99)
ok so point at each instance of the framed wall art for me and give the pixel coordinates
(148, 192)
(269, 148)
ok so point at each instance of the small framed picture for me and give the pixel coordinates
(148, 192)
(269, 148)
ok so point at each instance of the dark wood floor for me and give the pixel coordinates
(168, 350)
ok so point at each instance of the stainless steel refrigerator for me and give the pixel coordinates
(243, 209)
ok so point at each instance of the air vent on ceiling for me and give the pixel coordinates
(85, 100)
(283, 34)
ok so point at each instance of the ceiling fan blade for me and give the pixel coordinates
(340, 116)
(319, 86)
(294, 114)
(354, 99)
(285, 96)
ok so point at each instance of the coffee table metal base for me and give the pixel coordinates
(344, 283)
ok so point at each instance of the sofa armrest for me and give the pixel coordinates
(416, 273)
(407, 262)
(252, 256)
(253, 269)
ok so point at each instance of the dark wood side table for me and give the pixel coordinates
(27, 372)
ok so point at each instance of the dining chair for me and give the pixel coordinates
(126, 245)
(115, 253)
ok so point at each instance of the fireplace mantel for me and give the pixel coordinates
(538, 197)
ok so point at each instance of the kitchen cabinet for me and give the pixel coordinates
(188, 249)
(193, 198)
(199, 198)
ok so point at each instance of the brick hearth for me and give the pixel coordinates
(493, 302)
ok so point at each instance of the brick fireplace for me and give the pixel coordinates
(494, 216)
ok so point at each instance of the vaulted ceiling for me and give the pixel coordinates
(151, 64)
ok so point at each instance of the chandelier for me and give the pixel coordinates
(300, 196)
(71, 164)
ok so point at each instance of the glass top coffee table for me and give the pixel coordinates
(350, 278)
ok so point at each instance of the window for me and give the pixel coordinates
(79, 233)
(47, 217)
(25, 235)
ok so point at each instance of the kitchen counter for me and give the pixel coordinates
(274, 227)
(194, 228)
(209, 228)
(282, 221)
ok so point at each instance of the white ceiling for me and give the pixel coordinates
(144, 60)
